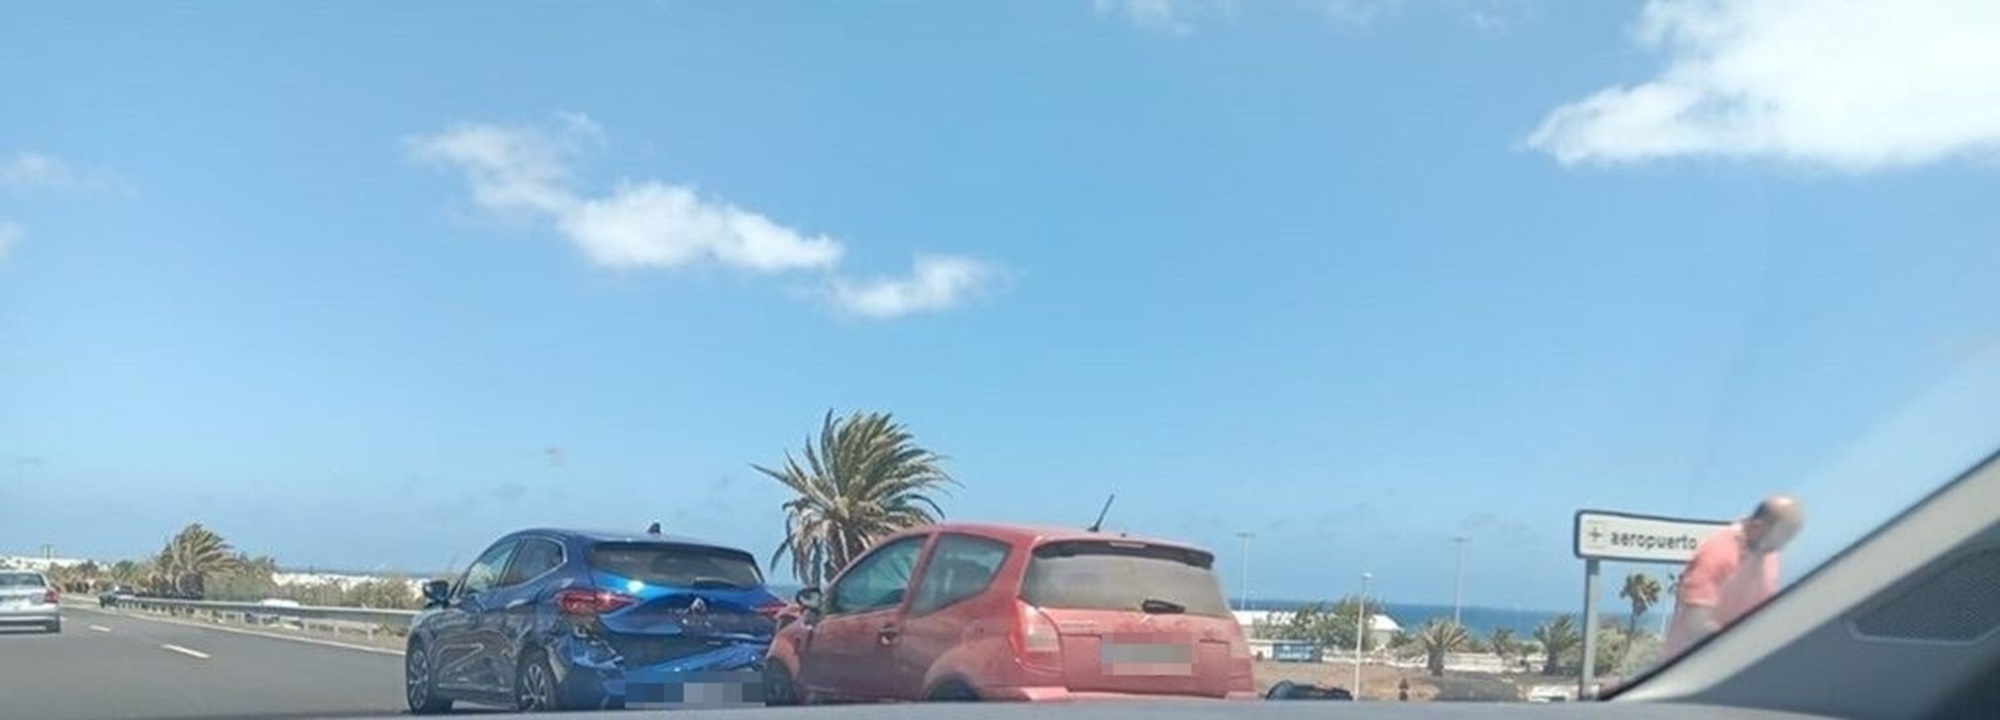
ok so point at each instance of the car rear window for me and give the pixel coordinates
(687, 566)
(1110, 575)
(20, 579)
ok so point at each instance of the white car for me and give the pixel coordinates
(1549, 693)
(27, 598)
(268, 619)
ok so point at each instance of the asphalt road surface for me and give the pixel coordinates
(106, 665)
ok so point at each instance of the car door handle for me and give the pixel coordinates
(887, 634)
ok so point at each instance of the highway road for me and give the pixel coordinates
(107, 665)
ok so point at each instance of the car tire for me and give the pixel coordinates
(953, 691)
(535, 688)
(779, 690)
(54, 627)
(420, 683)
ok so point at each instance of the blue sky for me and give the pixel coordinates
(1357, 276)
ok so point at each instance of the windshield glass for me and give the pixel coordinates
(1106, 576)
(1487, 350)
(15, 580)
(677, 566)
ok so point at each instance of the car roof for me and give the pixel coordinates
(1036, 534)
(602, 536)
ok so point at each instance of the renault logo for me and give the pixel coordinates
(698, 607)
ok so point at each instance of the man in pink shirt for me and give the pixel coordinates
(1732, 572)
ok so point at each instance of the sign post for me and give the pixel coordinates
(1624, 537)
(1589, 669)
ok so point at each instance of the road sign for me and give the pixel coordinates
(1605, 535)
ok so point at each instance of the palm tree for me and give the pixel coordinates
(866, 479)
(88, 573)
(192, 556)
(127, 573)
(1438, 637)
(1346, 616)
(1502, 642)
(261, 567)
(1557, 636)
(62, 576)
(1643, 592)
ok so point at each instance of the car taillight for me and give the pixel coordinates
(579, 601)
(51, 597)
(1035, 639)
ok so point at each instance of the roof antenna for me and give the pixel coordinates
(1094, 527)
(653, 529)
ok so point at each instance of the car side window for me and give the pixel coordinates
(485, 572)
(879, 580)
(536, 556)
(961, 566)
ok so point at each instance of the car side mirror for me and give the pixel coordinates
(437, 593)
(809, 599)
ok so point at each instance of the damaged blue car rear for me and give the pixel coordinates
(551, 619)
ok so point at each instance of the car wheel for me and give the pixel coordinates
(778, 687)
(535, 686)
(419, 686)
(953, 691)
(54, 627)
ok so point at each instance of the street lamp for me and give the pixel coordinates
(1458, 595)
(1360, 630)
(1243, 595)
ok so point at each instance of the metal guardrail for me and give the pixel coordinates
(363, 620)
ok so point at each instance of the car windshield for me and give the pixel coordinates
(15, 580)
(1487, 350)
(678, 566)
(1120, 576)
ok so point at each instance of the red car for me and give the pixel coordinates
(1001, 612)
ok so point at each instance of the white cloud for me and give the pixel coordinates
(36, 171)
(530, 173)
(10, 235)
(658, 225)
(1492, 16)
(1352, 12)
(26, 170)
(936, 282)
(1847, 84)
(640, 224)
(1176, 17)
(509, 169)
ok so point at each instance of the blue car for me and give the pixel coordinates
(567, 619)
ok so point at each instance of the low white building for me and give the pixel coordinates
(1381, 627)
(42, 564)
(344, 581)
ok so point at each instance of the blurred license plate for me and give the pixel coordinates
(693, 689)
(1147, 656)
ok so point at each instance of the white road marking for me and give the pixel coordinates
(253, 633)
(184, 651)
(100, 628)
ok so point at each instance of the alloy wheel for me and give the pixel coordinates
(536, 689)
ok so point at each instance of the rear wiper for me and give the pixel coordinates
(713, 584)
(1163, 607)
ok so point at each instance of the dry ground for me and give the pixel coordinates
(1378, 682)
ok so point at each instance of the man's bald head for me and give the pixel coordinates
(1773, 524)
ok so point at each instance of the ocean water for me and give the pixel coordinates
(1479, 619)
